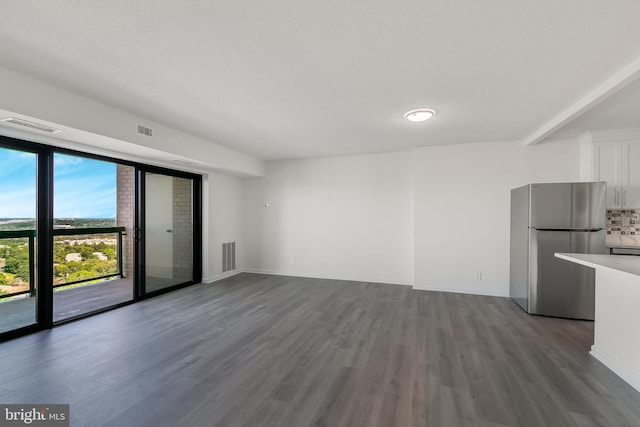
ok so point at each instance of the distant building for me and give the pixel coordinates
(91, 242)
(73, 257)
(100, 256)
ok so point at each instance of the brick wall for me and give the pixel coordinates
(182, 228)
(124, 217)
(182, 222)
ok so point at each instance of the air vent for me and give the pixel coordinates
(184, 162)
(145, 131)
(228, 256)
(32, 125)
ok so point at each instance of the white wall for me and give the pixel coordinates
(93, 127)
(343, 218)
(433, 217)
(112, 128)
(159, 219)
(462, 204)
(222, 204)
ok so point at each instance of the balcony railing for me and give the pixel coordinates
(30, 235)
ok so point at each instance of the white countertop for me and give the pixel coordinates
(615, 341)
(624, 263)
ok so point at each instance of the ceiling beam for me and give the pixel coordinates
(613, 84)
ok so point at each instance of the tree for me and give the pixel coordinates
(23, 272)
(109, 251)
(86, 252)
(17, 261)
(11, 265)
(18, 266)
(80, 275)
(74, 266)
(59, 252)
(60, 270)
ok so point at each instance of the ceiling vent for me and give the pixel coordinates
(184, 162)
(144, 130)
(32, 125)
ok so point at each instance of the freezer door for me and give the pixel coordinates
(559, 288)
(589, 205)
(562, 206)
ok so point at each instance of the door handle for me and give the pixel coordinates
(617, 197)
(624, 197)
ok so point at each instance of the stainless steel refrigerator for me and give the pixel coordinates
(550, 218)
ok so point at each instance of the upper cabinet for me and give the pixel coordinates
(607, 166)
(617, 163)
(631, 167)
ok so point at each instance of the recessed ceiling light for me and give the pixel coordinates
(419, 115)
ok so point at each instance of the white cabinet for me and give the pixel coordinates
(631, 155)
(618, 163)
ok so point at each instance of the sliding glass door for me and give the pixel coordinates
(169, 230)
(93, 215)
(18, 284)
(82, 233)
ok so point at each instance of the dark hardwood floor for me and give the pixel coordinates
(256, 350)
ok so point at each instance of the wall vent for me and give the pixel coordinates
(32, 125)
(184, 162)
(145, 131)
(228, 256)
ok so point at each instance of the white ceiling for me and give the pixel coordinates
(619, 111)
(298, 78)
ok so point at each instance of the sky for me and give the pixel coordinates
(83, 188)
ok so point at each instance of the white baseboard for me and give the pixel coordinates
(222, 276)
(607, 360)
(321, 276)
(484, 292)
(475, 291)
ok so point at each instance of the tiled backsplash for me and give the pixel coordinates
(623, 227)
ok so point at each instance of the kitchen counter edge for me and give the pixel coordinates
(629, 264)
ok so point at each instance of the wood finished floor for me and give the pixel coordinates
(257, 350)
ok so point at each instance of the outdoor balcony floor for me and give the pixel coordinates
(67, 303)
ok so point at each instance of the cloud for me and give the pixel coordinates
(83, 188)
(17, 184)
(19, 203)
(16, 166)
(61, 160)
